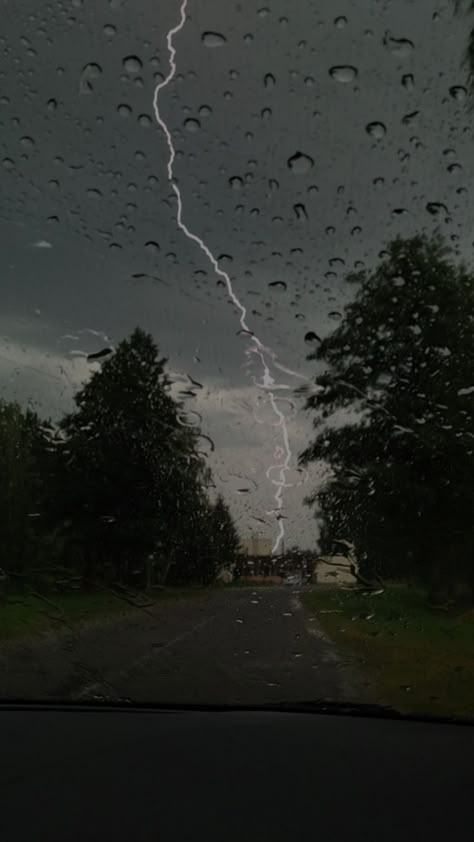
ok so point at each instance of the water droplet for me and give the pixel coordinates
(309, 81)
(191, 125)
(300, 164)
(152, 247)
(144, 120)
(90, 72)
(109, 31)
(409, 118)
(458, 92)
(401, 47)
(124, 110)
(51, 105)
(265, 114)
(376, 130)
(343, 73)
(213, 39)
(300, 211)
(236, 182)
(93, 193)
(335, 315)
(311, 337)
(408, 81)
(248, 38)
(269, 80)
(205, 111)
(132, 64)
(27, 142)
(436, 208)
(8, 163)
(454, 168)
(263, 12)
(340, 22)
(396, 212)
(281, 285)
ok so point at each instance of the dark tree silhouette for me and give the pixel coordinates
(399, 374)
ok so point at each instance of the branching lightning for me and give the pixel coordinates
(257, 347)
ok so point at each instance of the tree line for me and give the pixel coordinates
(393, 408)
(116, 492)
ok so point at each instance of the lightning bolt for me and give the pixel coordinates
(257, 347)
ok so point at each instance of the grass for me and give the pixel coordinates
(417, 658)
(25, 614)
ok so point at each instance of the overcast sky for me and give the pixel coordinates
(89, 241)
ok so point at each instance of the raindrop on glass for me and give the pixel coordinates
(340, 22)
(213, 39)
(300, 211)
(408, 81)
(132, 64)
(90, 72)
(109, 31)
(124, 110)
(300, 164)
(458, 92)
(269, 80)
(436, 208)
(191, 125)
(376, 130)
(343, 73)
(236, 182)
(144, 120)
(152, 247)
(401, 47)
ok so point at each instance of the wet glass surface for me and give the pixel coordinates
(237, 352)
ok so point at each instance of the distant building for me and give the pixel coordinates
(256, 546)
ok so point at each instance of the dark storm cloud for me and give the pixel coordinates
(88, 221)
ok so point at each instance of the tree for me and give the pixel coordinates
(129, 465)
(23, 453)
(210, 541)
(399, 373)
(224, 537)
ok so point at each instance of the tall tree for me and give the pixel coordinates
(23, 453)
(399, 374)
(224, 536)
(127, 461)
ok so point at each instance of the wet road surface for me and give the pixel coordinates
(230, 646)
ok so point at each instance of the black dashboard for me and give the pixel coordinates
(138, 774)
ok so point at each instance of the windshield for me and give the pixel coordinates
(237, 353)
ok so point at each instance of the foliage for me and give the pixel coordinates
(119, 490)
(23, 449)
(399, 373)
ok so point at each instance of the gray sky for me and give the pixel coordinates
(84, 190)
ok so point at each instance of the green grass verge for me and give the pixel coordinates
(25, 614)
(416, 658)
